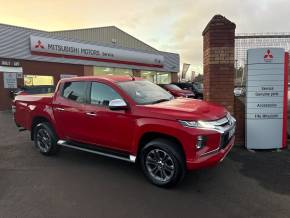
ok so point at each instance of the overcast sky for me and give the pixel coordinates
(169, 25)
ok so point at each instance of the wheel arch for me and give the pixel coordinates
(149, 136)
(35, 121)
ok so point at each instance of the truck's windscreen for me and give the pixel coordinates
(145, 92)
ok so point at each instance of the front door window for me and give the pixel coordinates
(102, 94)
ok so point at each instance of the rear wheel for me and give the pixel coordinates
(45, 139)
(162, 162)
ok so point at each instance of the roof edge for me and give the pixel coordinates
(21, 27)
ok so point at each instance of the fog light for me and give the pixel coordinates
(201, 140)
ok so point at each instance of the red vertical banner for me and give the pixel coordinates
(285, 103)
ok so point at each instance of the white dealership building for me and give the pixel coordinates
(33, 57)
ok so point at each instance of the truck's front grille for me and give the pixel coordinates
(224, 140)
(228, 129)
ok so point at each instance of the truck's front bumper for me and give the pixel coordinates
(210, 158)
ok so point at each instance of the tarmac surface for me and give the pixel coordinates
(78, 184)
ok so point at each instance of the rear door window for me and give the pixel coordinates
(75, 91)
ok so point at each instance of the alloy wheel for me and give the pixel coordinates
(43, 140)
(160, 165)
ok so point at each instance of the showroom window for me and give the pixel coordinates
(122, 71)
(37, 80)
(149, 75)
(163, 78)
(99, 71)
(156, 77)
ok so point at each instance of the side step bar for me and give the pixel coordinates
(21, 129)
(130, 158)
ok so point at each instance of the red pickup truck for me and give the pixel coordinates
(129, 119)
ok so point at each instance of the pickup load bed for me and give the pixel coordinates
(27, 107)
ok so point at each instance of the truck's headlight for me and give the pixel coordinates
(196, 124)
(216, 124)
(191, 124)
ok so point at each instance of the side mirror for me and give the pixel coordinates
(118, 104)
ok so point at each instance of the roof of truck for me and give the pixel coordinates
(110, 78)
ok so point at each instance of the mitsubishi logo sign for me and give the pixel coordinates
(268, 56)
(39, 45)
(91, 52)
(266, 98)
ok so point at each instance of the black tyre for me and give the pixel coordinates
(162, 162)
(45, 139)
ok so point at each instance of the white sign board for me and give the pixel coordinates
(74, 50)
(10, 80)
(11, 69)
(266, 101)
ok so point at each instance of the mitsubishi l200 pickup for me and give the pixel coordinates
(130, 119)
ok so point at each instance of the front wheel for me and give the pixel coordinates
(162, 163)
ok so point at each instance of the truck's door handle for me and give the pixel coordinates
(59, 109)
(91, 114)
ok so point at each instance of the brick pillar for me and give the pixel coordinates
(136, 73)
(239, 112)
(218, 61)
(174, 77)
(88, 70)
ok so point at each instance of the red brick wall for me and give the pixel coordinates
(174, 77)
(218, 60)
(88, 70)
(5, 101)
(38, 68)
(51, 69)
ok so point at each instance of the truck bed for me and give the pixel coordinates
(37, 97)
(27, 105)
